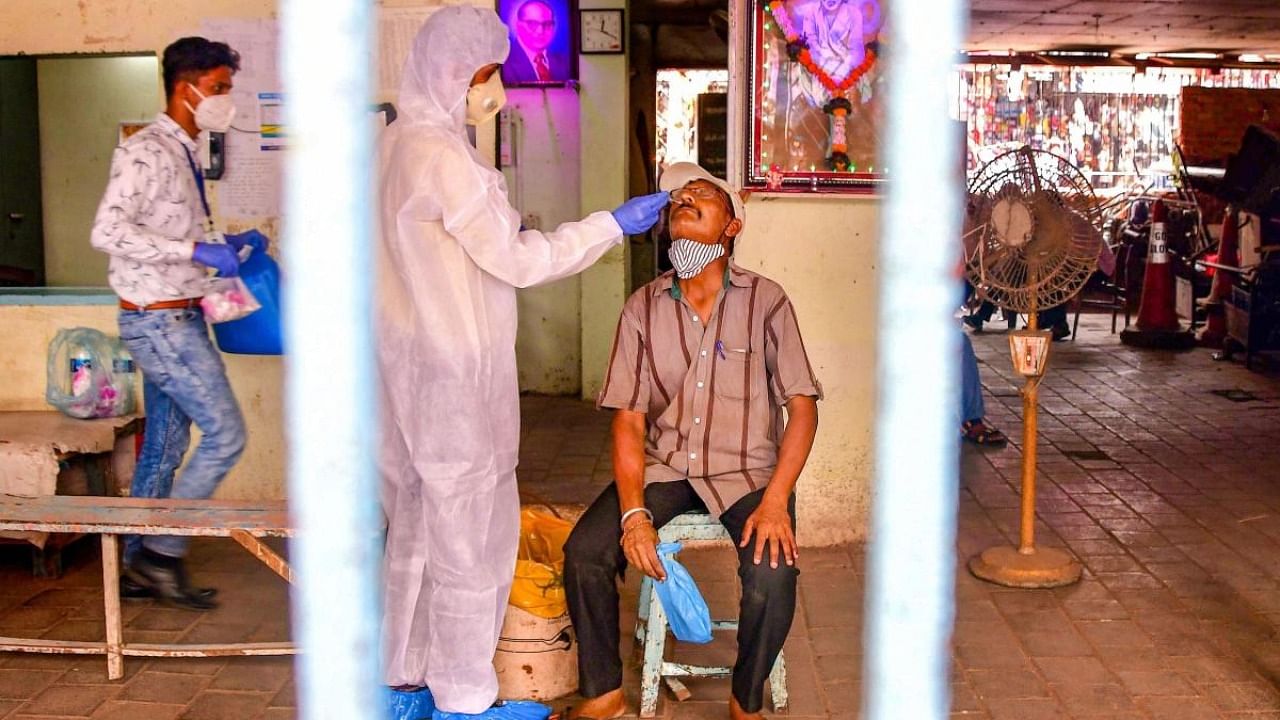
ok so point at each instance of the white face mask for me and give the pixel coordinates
(690, 257)
(214, 113)
(485, 100)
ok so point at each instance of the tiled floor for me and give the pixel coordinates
(1169, 494)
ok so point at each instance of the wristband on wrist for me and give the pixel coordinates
(623, 522)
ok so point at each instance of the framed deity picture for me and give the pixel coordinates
(816, 103)
(543, 37)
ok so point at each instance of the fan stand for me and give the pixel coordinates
(1027, 566)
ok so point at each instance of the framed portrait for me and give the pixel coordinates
(816, 103)
(543, 38)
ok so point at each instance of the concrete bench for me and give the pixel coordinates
(47, 453)
(244, 522)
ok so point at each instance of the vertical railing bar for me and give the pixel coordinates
(330, 374)
(911, 562)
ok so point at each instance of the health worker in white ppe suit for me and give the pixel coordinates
(451, 256)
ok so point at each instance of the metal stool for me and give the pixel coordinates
(651, 627)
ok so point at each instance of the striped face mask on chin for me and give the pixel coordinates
(689, 257)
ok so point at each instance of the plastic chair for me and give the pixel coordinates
(651, 627)
(1106, 293)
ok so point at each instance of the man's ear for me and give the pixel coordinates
(734, 227)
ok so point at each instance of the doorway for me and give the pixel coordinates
(21, 205)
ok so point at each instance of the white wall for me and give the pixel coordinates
(822, 249)
(258, 384)
(82, 102)
(548, 352)
(604, 175)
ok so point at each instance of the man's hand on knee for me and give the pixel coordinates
(771, 525)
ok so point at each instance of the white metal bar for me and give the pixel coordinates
(111, 605)
(330, 382)
(263, 552)
(911, 563)
(53, 647)
(172, 650)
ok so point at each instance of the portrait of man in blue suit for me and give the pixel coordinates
(540, 34)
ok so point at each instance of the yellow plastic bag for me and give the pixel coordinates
(539, 582)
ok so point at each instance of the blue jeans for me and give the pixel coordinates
(183, 380)
(972, 406)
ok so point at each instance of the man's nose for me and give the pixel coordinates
(682, 197)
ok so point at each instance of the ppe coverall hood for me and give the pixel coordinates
(452, 45)
(450, 255)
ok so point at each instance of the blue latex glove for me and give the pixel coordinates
(252, 238)
(639, 214)
(218, 256)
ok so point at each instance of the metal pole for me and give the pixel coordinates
(1030, 426)
(911, 564)
(330, 378)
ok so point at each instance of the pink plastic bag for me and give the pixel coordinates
(228, 299)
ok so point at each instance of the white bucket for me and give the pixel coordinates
(537, 658)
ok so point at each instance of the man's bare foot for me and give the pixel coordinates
(737, 713)
(604, 707)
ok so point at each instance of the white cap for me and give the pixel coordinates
(677, 175)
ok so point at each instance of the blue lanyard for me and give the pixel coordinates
(204, 202)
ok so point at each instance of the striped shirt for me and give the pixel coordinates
(712, 389)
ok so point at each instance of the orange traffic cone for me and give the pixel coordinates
(1215, 327)
(1157, 325)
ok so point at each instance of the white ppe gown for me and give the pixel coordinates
(450, 257)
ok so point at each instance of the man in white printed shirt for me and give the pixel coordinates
(155, 224)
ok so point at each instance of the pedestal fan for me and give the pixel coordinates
(1031, 242)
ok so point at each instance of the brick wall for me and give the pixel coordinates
(1213, 120)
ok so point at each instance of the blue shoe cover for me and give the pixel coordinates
(502, 710)
(410, 704)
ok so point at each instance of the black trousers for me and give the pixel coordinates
(594, 562)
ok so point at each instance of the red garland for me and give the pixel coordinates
(807, 61)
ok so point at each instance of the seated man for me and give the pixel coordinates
(705, 359)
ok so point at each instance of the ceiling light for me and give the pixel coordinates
(1079, 53)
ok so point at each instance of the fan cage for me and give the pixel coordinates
(1062, 251)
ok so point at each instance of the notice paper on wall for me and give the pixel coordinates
(250, 189)
(397, 28)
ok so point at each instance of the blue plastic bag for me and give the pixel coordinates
(259, 333)
(687, 612)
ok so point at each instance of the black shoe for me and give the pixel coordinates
(130, 590)
(166, 579)
(973, 321)
(1061, 331)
